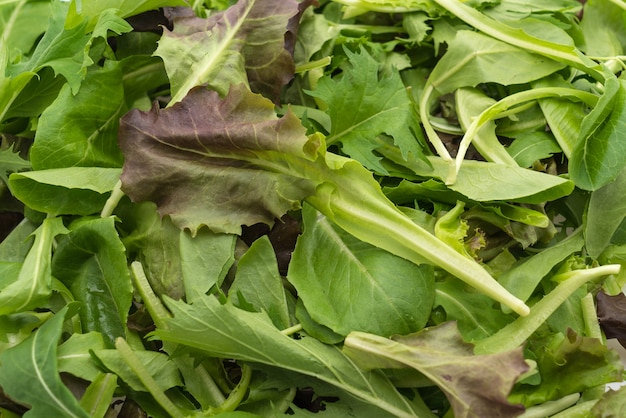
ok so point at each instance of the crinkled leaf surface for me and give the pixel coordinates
(29, 374)
(476, 385)
(347, 284)
(228, 332)
(363, 105)
(214, 162)
(245, 43)
(586, 361)
(91, 262)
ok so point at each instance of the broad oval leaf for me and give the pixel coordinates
(219, 163)
(348, 285)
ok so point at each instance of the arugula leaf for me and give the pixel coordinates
(225, 49)
(228, 332)
(362, 105)
(476, 386)
(11, 162)
(28, 373)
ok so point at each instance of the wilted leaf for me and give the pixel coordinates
(476, 385)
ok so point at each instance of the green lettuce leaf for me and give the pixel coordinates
(349, 285)
(29, 373)
(476, 385)
(244, 44)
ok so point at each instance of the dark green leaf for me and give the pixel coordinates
(91, 262)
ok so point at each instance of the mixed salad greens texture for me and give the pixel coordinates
(315, 208)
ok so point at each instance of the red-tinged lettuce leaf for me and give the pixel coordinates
(243, 44)
(217, 162)
(612, 404)
(476, 385)
(612, 316)
(362, 106)
(29, 373)
(568, 364)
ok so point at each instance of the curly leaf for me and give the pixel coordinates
(220, 163)
(245, 43)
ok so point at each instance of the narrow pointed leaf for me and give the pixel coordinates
(29, 374)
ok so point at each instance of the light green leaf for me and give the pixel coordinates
(224, 49)
(205, 260)
(34, 282)
(484, 181)
(363, 105)
(29, 374)
(534, 146)
(474, 58)
(73, 355)
(81, 129)
(20, 23)
(347, 284)
(159, 365)
(476, 386)
(99, 394)
(257, 279)
(523, 278)
(228, 332)
(74, 190)
(91, 262)
(470, 103)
